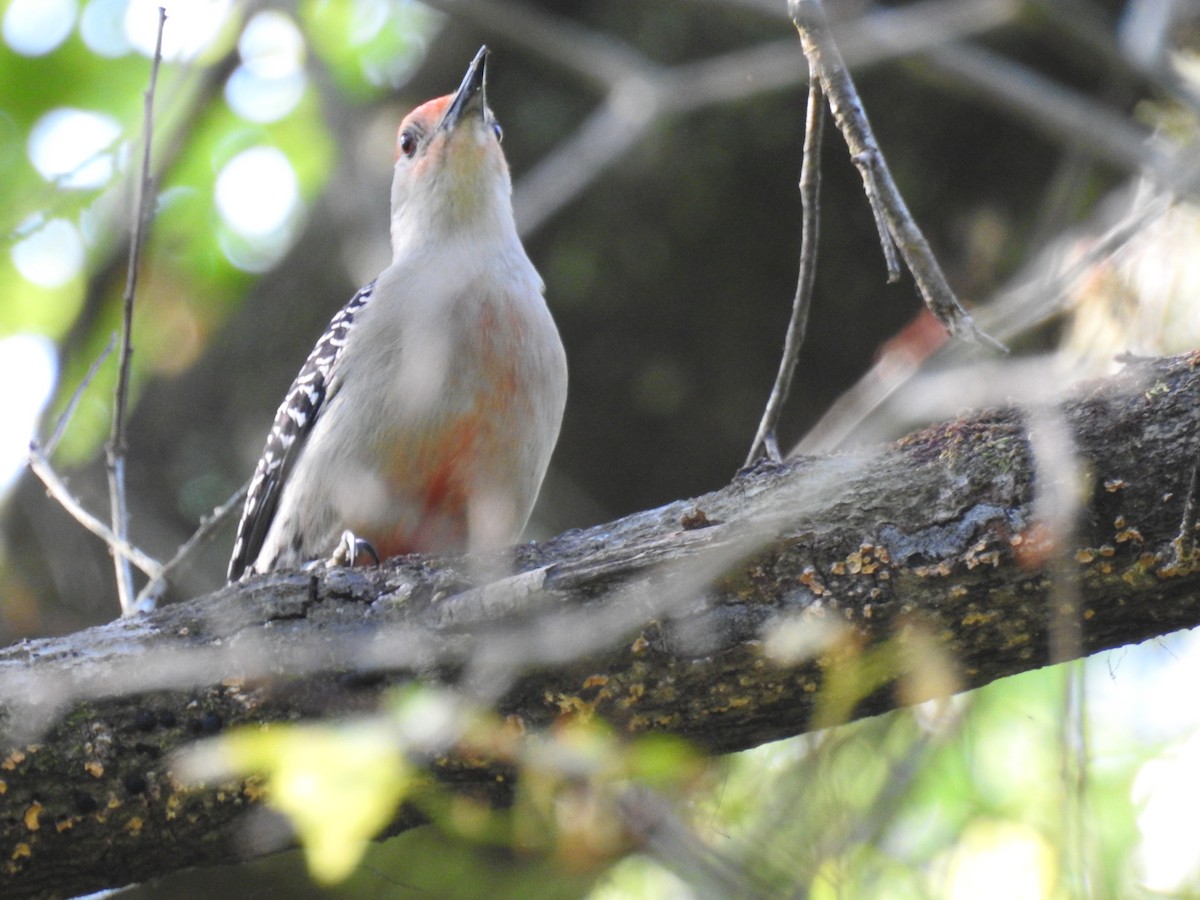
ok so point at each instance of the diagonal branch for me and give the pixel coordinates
(898, 230)
(928, 545)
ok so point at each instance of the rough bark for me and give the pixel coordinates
(940, 545)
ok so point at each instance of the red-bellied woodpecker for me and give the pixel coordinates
(424, 419)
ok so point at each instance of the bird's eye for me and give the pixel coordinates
(498, 131)
(407, 144)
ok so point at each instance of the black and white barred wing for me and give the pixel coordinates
(305, 400)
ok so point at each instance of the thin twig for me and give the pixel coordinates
(57, 488)
(1043, 290)
(147, 598)
(640, 92)
(825, 62)
(116, 443)
(68, 412)
(766, 440)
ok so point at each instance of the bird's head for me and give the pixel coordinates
(450, 173)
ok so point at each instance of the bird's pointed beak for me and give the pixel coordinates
(471, 95)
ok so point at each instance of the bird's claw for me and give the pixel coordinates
(350, 548)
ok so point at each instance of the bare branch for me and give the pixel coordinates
(116, 443)
(1043, 290)
(40, 466)
(639, 91)
(147, 598)
(60, 426)
(766, 441)
(825, 61)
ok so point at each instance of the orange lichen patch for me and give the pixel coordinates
(1107, 550)
(595, 681)
(94, 768)
(65, 824)
(811, 580)
(694, 519)
(1089, 614)
(134, 825)
(980, 556)
(14, 759)
(570, 705)
(636, 691)
(1084, 556)
(977, 618)
(1130, 534)
(1037, 545)
(32, 814)
(639, 645)
(3, 786)
(861, 561)
(254, 788)
(942, 569)
(22, 851)
(1119, 522)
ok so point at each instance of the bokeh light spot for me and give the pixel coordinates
(29, 367)
(36, 27)
(191, 26)
(102, 27)
(270, 81)
(74, 148)
(51, 255)
(257, 192)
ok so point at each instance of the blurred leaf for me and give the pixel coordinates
(338, 784)
(369, 46)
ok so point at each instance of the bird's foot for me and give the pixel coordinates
(350, 548)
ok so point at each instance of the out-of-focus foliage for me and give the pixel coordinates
(339, 784)
(240, 151)
(1034, 786)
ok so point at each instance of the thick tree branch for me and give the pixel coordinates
(671, 619)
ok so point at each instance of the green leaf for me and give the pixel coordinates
(339, 785)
